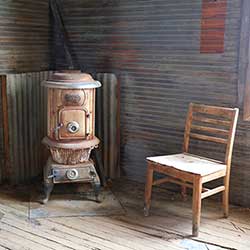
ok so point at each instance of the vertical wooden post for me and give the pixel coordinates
(148, 189)
(197, 188)
(243, 60)
(228, 160)
(187, 128)
(244, 63)
(6, 168)
(225, 196)
(186, 142)
(184, 192)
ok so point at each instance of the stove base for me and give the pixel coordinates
(58, 173)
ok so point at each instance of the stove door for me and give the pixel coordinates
(73, 124)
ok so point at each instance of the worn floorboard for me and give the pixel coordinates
(167, 228)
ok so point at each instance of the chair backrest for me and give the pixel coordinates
(213, 124)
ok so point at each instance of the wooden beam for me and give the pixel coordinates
(244, 55)
(6, 167)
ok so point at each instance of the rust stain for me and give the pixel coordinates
(213, 26)
(117, 44)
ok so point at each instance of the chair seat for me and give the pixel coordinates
(189, 163)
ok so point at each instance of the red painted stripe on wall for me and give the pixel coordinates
(213, 26)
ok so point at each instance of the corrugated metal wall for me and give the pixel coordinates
(24, 35)
(154, 48)
(25, 39)
(27, 124)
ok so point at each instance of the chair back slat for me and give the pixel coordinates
(213, 124)
(211, 121)
(212, 110)
(218, 131)
(208, 138)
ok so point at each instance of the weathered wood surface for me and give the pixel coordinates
(167, 228)
(243, 78)
(189, 163)
(170, 214)
(4, 135)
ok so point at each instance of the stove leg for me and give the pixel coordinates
(47, 180)
(48, 187)
(96, 188)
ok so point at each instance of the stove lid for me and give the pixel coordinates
(71, 79)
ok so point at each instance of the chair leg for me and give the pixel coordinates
(225, 197)
(184, 193)
(148, 189)
(197, 189)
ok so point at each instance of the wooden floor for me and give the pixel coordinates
(168, 227)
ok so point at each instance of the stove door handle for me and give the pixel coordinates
(87, 122)
(56, 130)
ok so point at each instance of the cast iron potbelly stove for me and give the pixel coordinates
(71, 130)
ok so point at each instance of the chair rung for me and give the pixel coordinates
(160, 181)
(173, 180)
(212, 191)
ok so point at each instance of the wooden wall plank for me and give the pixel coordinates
(6, 170)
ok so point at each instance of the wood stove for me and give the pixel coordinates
(70, 130)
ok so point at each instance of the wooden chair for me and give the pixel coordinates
(209, 123)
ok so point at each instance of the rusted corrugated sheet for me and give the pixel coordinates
(24, 36)
(108, 123)
(154, 47)
(27, 124)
